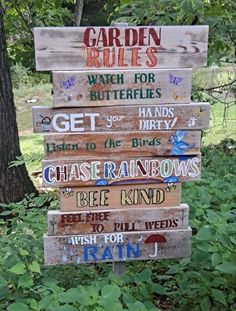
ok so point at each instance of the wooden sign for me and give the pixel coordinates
(77, 172)
(192, 116)
(126, 246)
(75, 48)
(129, 196)
(121, 87)
(137, 144)
(118, 220)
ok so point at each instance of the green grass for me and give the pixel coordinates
(222, 121)
(32, 149)
(31, 143)
(214, 76)
(221, 127)
(41, 92)
(206, 281)
(223, 112)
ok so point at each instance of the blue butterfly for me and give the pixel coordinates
(69, 83)
(174, 80)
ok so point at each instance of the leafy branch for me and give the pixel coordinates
(28, 158)
(18, 10)
(218, 86)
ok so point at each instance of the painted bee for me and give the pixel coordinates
(67, 192)
(170, 187)
(191, 122)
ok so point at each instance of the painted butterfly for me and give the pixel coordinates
(174, 80)
(69, 83)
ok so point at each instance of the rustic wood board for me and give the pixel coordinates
(192, 116)
(75, 48)
(127, 196)
(110, 247)
(118, 220)
(109, 88)
(128, 144)
(77, 172)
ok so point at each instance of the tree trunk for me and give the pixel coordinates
(78, 11)
(15, 181)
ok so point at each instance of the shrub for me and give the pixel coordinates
(206, 281)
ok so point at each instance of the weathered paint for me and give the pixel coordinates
(128, 118)
(126, 196)
(79, 172)
(118, 220)
(110, 247)
(121, 87)
(179, 142)
(75, 48)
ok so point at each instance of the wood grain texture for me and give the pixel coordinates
(72, 48)
(119, 268)
(192, 116)
(131, 196)
(110, 247)
(128, 144)
(77, 172)
(118, 220)
(120, 87)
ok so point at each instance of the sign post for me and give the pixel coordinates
(121, 137)
(119, 267)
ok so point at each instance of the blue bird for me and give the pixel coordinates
(179, 146)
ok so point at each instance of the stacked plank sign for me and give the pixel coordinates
(121, 138)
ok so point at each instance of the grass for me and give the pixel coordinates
(222, 121)
(23, 95)
(222, 125)
(31, 144)
(214, 76)
(223, 112)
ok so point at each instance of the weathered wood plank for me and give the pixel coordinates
(127, 246)
(118, 220)
(75, 48)
(128, 144)
(192, 116)
(119, 268)
(129, 196)
(109, 88)
(77, 172)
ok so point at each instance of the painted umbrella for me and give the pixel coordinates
(155, 238)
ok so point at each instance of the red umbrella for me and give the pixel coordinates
(155, 238)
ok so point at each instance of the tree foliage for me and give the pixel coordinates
(204, 282)
(219, 15)
(21, 16)
(14, 182)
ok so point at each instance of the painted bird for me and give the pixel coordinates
(179, 146)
